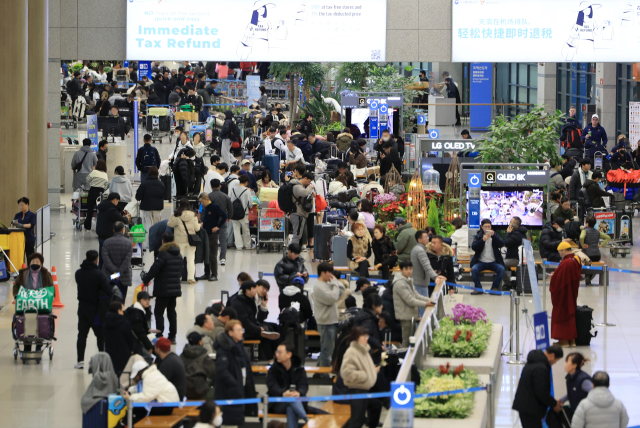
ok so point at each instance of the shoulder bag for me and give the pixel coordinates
(194, 240)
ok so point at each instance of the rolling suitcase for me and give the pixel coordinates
(322, 234)
(97, 416)
(337, 217)
(339, 251)
(158, 123)
(347, 195)
(273, 163)
(584, 324)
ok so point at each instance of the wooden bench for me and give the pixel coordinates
(311, 370)
(336, 409)
(189, 412)
(168, 421)
(255, 345)
(338, 415)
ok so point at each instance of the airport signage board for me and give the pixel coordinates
(509, 176)
(446, 145)
(257, 30)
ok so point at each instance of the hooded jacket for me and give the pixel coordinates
(358, 370)
(121, 185)
(207, 342)
(442, 263)
(116, 257)
(154, 387)
(556, 179)
(230, 360)
(286, 270)
(423, 274)
(513, 241)
(291, 294)
(89, 162)
(533, 395)
(139, 317)
(279, 379)
(306, 149)
(108, 214)
(406, 300)
(167, 271)
(326, 296)
(103, 382)
(405, 241)
(596, 193)
(119, 341)
(94, 291)
(461, 238)
(359, 159)
(478, 246)
(305, 127)
(600, 410)
(187, 218)
(343, 142)
(151, 194)
(550, 238)
(200, 370)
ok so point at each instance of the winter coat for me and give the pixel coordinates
(89, 162)
(154, 387)
(577, 181)
(478, 246)
(184, 174)
(22, 278)
(121, 185)
(190, 219)
(358, 370)
(359, 160)
(305, 127)
(387, 300)
(343, 142)
(172, 368)
(167, 271)
(175, 98)
(564, 214)
(139, 317)
(596, 193)
(230, 360)
(119, 341)
(306, 149)
(229, 126)
(94, 292)
(108, 214)
(155, 234)
(568, 169)
(292, 293)
(556, 179)
(200, 370)
(286, 270)
(207, 341)
(218, 327)
(367, 319)
(97, 178)
(600, 410)
(443, 263)
(382, 249)
(406, 299)
(116, 257)
(279, 379)
(301, 193)
(405, 241)
(151, 194)
(423, 274)
(248, 315)
(513, 241)
(550, 238)
(533, 395)
(391, 160)
(325, 299)
(202, 248)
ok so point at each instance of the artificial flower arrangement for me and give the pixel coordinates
(388, 206)
(446, 378)
(465, 334)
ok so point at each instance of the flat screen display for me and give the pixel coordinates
(357, 119)
(500, 205)
(257, 30)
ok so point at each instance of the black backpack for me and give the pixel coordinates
(149, 158)
(286, 199)
(72, 88)
(238, 208)
(197, 383)
(289, 318)
(224, 186)
(583, 198)
(574, 138)
(573, 229)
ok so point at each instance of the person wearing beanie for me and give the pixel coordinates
(171, 366)
(139, 316)
(564, 285)
(550, 238)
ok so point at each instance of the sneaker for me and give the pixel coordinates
(271, 335)
(304, 249)
(79, 365)
(213, 278)
(223, 262)
(202, 278)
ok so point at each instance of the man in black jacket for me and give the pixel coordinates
(368, 318)
(213, 219)
(516, 233)
(161, 90)
(487, 245)
(167, 271)
(452, 92)
(108, 215)
(171, 366)
(305, 126)
(441, 258)
(293, 293)
(534, 394)
(194, 99)
(290, 267)
(139, 316)
(287, 378)
(94, 292)
(119, 341)
(579, 178)
(595, 192)
(550, 238)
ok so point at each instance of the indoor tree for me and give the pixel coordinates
(312, 74)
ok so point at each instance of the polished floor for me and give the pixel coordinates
(49, 394)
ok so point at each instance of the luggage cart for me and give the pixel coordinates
(79, 209)
(33, 335)
(65, 114)
(272, 228)
(137, 259)
(158, 121)
(621, 248)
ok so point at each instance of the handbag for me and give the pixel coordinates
(194, 240)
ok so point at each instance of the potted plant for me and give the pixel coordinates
(446, 378)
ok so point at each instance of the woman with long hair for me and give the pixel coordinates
(185, 222)
(266, 181)
(359, 249)
(384, 251)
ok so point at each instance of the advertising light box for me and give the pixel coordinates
(545, 31)
(262, 30)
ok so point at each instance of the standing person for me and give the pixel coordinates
(422, 274)
(262, 101)
(103, 148)
(222, 69)
(119, 341)
(213, 219)
(452, 92)
(600, 409)
(116, 254)
(384, 251)
(306, 127)
(405, 239)
(407, 301)
(287, 378)
(579, 178)
(147, 157)
(488, 256)
(246, 170)
(359, 374)
(291, 266)
(441, 258)
(595, 192)
(368, 319)
(224, 202)
(108, 215)
(578, 382)
(213, 173)
(184, 223)
(234, 379)
(359, 249)
(170, 365)
(327, 291)
(564, 285)
(121, 185)
(302, 188)
(150, 193)
(594, 133)
(94, 292)
(242, 194)
(97, 182)
(167, 270)
(27, 220)
(228, 134)
(516, 234)
(590, 243)
(564, 210)
(266, 181)
(534, 395)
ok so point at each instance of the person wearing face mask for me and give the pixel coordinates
(34, 277)
(550, 238)
(622, 159)
(210, 416)
(452, 92)
(378, 146)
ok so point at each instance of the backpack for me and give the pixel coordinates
(197, 384)
(573, 229)
(583, 198)
(238, 208)
(286, 199)
(289, 318)
(234, 134)
(224, 187)
(573, 138)
(72, 88)
(372, 194)
(149, 158)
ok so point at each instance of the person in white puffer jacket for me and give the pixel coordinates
(155, 387)
(600, 409)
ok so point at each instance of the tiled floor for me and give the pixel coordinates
(49, 394)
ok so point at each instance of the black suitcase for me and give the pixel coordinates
(522, 279)
(347, 195)
(158, 123)
(584, 324)
(322, 234)
(166, 180)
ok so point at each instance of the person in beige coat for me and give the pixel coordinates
(183, 218)
(406, 301)
(359, 374)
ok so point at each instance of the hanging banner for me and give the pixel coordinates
(144, 69)
(253, 89)
(136, 143)
(481, 92)
(92, 130)
(533, 276)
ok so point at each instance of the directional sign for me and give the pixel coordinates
(422, 119)
(402, 404)
(434, 134)
(373, 105)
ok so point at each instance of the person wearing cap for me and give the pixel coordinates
(622, 158)
(594, 133)
(139, 316)
(170, 365)
(550, 237)
(155, 387)
(119, 341)
(245, 166)
(292, 296)
(204, 325)
(199, 365)
(405, 239)
(564, 286)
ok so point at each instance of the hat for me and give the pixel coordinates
(137, 367)
(143, 295)
(298, 280)
(244, 162)
(596, 116)
(564, 246)
(163, 344)
(399, 221)
(559, 221)
(194, 337)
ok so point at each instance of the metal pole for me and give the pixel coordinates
(348, 276)
(490, 401)
(129, 414)
(512, 295)
(265, 410)
(605, 272)
(518, 361)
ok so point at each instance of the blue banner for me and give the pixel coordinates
(92, 130)
(475, 181)
(253, 89)
(541, 328)
(144, 69)
(481, 93)
(402, 394)
(136, 107)
(383, 115)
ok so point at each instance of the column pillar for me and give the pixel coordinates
(13, 114)
(547, 86)
(606, 99)
(38, 42)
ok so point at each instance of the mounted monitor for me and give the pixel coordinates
(501, 204)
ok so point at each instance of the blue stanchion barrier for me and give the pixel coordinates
(271, 274)
(466, 287)
(635, 272)
(545, 262)
(456, 391)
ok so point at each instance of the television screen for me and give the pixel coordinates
(357, 119)
(500, 205)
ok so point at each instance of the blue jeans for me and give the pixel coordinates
(327, 343)
(495, 267)
(422, 290)
(294, 411)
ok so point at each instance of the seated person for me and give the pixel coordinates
(595, 148)
(365, 207)
(460, 237)
(220, 321)
(389, 326)
(199, 366)
(139, 316)
(214, 310)
(204, 327)
(622, 158)
(291, 266)
(353, 217)
(441, 258)
(343, 169)
(550, 237)
(339, 184)
(595, 192)
(292, 295)
(359, 249)
(293, 156)
(287, 378)
(564, 210)
(487, 245)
